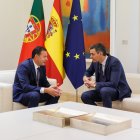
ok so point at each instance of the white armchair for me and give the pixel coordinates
(128, 104)
(6, 95)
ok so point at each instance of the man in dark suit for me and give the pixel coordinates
(30, 85)
(110, 83)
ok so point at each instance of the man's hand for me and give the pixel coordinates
(53, 91)
(85, 78)
(89, 82)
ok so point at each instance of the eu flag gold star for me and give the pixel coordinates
(77, 56)
(75, 17)
(68, 54)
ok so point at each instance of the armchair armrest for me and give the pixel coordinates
(6, 97)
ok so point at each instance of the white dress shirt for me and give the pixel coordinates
(36, 66)
(104, 63)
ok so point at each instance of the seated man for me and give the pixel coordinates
(30, 85)
(110, 83)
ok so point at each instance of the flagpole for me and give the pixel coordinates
(76, 95)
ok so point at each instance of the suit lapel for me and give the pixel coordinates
(107, 63)
(33, 69)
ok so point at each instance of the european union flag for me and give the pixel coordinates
(74, 58)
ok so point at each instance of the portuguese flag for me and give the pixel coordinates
(55, 44)
(35, 31)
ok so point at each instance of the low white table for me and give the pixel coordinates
(18, 125)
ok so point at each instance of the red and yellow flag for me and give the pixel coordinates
(35, 31)
(55, 44)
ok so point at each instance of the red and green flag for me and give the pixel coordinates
(35, 31)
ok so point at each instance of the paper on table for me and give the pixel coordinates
(67, 111)
(107, 118)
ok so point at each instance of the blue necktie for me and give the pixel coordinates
(102, 77)
(38, 76)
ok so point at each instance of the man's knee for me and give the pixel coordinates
(84, 97)
(105, 92)
(35, 96)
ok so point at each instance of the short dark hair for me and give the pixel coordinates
(99, 47)
(38, 50)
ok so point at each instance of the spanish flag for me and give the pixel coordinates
(35, 31)
(55, 44)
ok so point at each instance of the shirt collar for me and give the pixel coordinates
(104, 62)
(36, 66)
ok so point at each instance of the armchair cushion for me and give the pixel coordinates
(7, 76)
(6, 91)
(5, 97)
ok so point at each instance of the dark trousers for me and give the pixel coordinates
(106, 95)
(32, 99)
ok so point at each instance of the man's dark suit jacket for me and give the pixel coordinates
(115, 76)
(25, 79)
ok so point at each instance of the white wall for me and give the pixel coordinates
(127, 46)
(124, 31)
(14, 15)
(125, 21)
